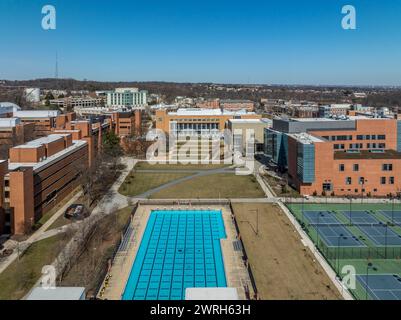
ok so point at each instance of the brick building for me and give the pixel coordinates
(358, 156)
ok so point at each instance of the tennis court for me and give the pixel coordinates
(389, 214)
(375, 230)
(331, 230)
(381, 286)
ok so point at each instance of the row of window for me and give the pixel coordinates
(358, 137)
(355, 167)
(362, 180)
(373, 145)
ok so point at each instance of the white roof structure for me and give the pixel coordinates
(6, 107)
(306, 138)
(9, 122)
(259, 121)
(38, 166)
(36, 113)
(207, 112)
(211, 294)
(41, 141)
(58, 293)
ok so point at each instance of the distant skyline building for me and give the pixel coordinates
(127, 97)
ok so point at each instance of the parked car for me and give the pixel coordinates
(76, 212)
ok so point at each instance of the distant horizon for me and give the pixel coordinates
(214, 83)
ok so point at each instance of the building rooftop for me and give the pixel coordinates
(36, 113)
(207, 112)
(41, 141)
(306, 138)
(260, 121)
(9, 122)
(211, 294)
(37, 166)
(58, 293)
(367, 154)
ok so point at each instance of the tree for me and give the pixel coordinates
(111, 144)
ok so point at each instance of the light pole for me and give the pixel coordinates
(385, 241)
(369, 266)
(392, 210)
(350, 210)
(302, 210)
(338, 252)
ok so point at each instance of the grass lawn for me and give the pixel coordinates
(140, 182)
(283, 268)
(148, 166)
(222, 185)
(21, 275)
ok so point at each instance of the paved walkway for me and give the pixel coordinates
(40, 234)
(113, 200)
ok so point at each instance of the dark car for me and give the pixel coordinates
(76, 212)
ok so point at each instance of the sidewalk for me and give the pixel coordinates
(36, 236)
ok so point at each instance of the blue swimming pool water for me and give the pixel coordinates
(179, 250)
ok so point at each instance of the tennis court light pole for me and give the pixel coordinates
(392, 210)
(369, 266)
(385, 242)
(338, 253)
(350, 210)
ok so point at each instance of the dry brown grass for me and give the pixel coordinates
(282, 266)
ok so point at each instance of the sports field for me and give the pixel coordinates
(365, 236)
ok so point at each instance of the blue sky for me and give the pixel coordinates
(271, 42)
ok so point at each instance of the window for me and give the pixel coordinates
(382, 146)
(383, 180)
(356, 167)
(359, 137)
(387, 167)
(381, 137)
(373, 137)
(326, 186)
(338, 146)
(391, 180)
(341, 167)
(362, 180)
(348, 180)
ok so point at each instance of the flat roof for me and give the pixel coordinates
(261, 121)
(58, 293)
(9, 122)
(211, 294)
(368, 155)
(206, 112)
(36, 113)
(37, 166)
(41, 141)
(306, 138)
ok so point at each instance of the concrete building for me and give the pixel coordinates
(32, 94)
(334, 110)
(358, 156)
(126, 97)
(198, 122)
(70, 103)
(242, 129)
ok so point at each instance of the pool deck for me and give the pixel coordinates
(236, 273)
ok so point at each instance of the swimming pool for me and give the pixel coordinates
(179, 249)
